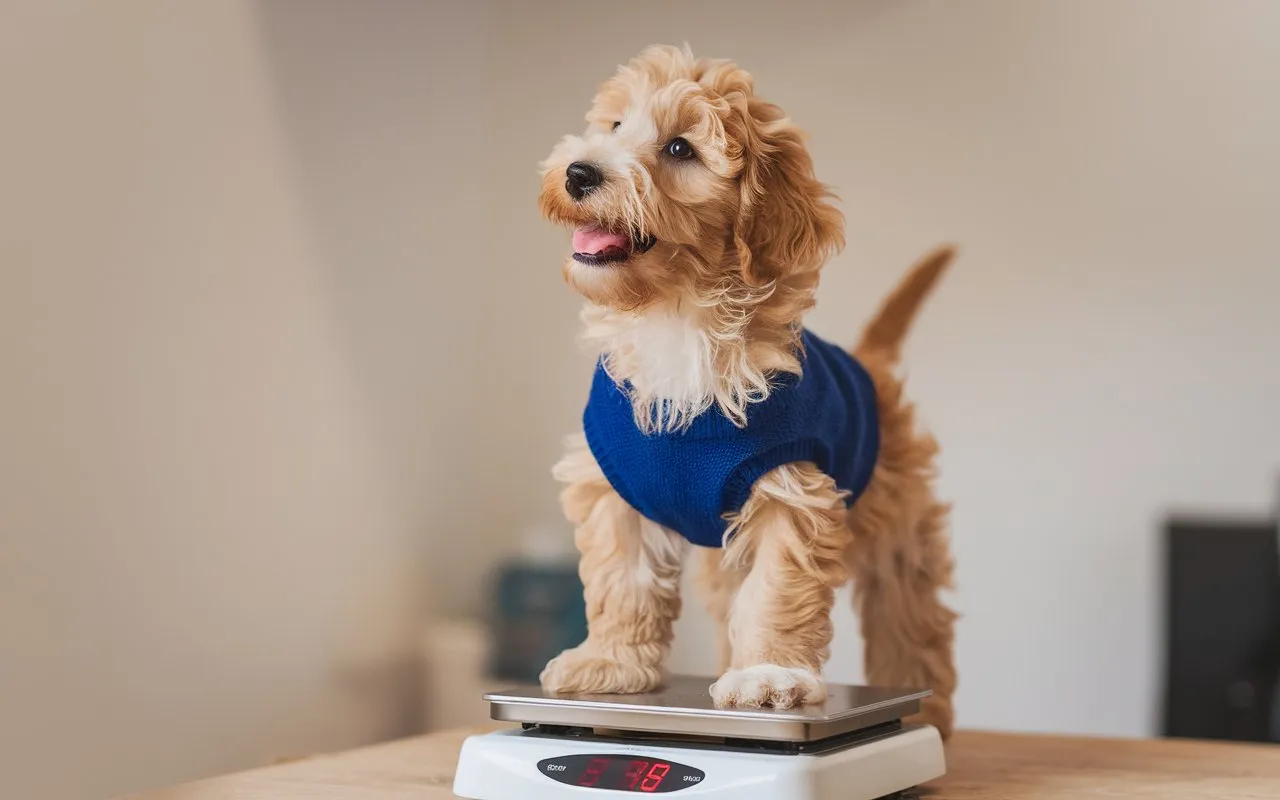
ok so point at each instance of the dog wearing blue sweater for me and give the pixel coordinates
(716, 422)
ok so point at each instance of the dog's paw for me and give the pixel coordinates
(768, 685)
(578, 672)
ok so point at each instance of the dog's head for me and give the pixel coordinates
(685, 183)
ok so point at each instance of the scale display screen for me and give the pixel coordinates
(621, 773)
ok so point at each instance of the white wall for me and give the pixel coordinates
(1107, 346)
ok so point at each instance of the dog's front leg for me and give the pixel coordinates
(791, 537)
(630, 569)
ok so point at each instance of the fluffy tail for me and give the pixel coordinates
(887, 330)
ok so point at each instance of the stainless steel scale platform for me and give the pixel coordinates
(853, 746)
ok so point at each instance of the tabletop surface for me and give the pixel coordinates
(981, 766)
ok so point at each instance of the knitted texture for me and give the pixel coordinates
(688, 480)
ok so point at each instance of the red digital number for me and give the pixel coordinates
(595, 768)
(653, 780)
(634, 771)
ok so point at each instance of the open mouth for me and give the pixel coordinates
(595, 246)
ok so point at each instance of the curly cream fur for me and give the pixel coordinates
(709, 317)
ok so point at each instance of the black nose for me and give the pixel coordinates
(581, 178)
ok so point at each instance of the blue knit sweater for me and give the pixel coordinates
(688, 480)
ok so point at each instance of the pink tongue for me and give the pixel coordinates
(593, 241)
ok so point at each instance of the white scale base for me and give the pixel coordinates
(509, 765)
(850, 746)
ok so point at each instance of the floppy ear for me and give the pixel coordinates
(785, 222)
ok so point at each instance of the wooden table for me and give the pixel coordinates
(981, 766)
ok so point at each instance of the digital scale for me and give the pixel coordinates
(853, 746)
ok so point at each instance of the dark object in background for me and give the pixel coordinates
(539, 612)
(1223, 629)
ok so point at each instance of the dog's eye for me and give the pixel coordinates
(679, 148)
(616, 124)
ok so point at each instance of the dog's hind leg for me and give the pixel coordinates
(718, 583)
(901, 563)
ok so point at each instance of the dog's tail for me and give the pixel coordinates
(887, 330)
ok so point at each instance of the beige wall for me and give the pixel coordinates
(286, 356)
(211, 553)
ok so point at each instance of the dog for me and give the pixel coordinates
(717, 423)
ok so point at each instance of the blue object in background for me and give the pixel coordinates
(539, 612)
